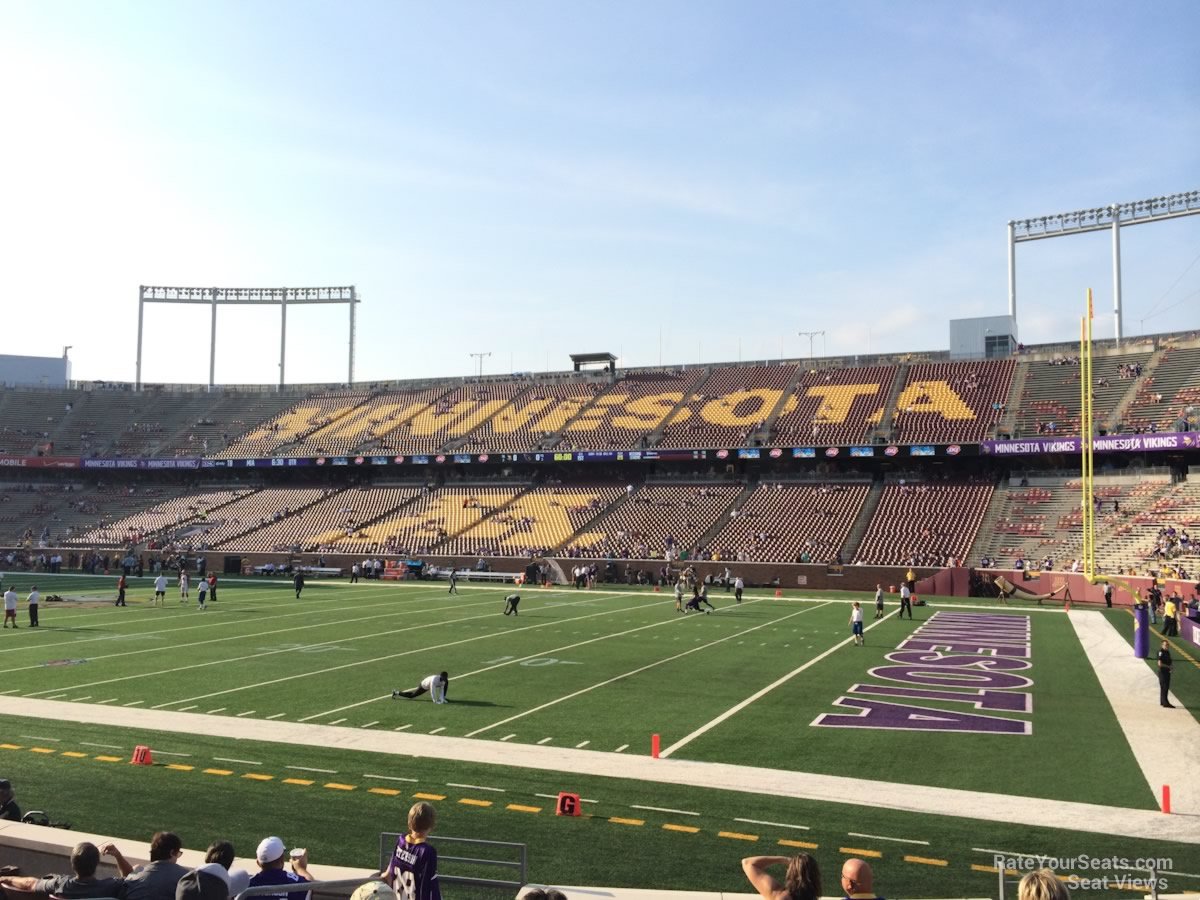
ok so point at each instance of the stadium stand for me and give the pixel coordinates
(335, 516)
(253, 511)
(782, 522)
(536, 522)
(423, 523)
(654, 521)
(731, 409)
(628, 413)
(834, 406)
(171, 514)
(360, 427)
(531, 420)
(204, 425)
(1167, 397)
(924, 523)
(944, 403)
(1050, 401)
(293, 424)
(62, 515)
(446, 418)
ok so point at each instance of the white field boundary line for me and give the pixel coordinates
(211, 623)
(362, 662)
(640, 669)
(512, 662)
(758, 695)
(251, 635)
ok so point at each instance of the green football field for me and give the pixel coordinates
(601, 670)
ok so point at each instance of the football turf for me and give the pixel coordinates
(601, 669)
(632, 833)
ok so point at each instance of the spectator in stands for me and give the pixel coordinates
(1042, 884)
(207, 882)
(81, 883)
(802, 881)
(9, 811)
(223, 854)
(272, 857)
(157, 879)
(413, 865)
(543, 894)
(857, 880)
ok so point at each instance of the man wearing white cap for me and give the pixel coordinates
(272, 856)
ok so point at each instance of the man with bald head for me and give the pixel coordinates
(858, 881)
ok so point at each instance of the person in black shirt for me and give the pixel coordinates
(8, 806)
(1164, 675)
(511, 602)
(298, 581)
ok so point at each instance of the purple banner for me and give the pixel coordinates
(1113, 443)
(170, 463)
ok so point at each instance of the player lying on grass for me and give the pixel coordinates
(434, 685)
(699, 595)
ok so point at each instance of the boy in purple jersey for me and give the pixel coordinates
(412, 871)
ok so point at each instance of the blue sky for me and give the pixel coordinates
(534, 179)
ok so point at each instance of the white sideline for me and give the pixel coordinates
(912, 798)
(1163, 741)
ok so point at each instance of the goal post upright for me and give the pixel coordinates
(216, 296)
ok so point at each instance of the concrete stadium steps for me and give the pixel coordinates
(1052, 393)
(1176, 378)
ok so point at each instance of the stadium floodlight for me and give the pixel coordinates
(1113, 217)
(215, 296)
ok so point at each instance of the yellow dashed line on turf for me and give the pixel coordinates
(334, 786)
(737, 836)
(978, 868)
(686, 829)
(804, 845)
(258, 776)
(218, 771)
(467, 801)
(926, 861)
(42, 750)
(859, 851)
(617, 820)
(301, 781)
(180, 767)
(387, 792)
(74, 754)
(430, 796)
(517, 807)
(107, 758)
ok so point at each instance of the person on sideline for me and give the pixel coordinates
(453, 581)
(160, 590)
(10, 607)
(1164, 675)
(879, 601)
(856, 623)
(801, 882)
(905, 601)
(33, 599)
(184, 585)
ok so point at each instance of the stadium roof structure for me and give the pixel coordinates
(593, 359)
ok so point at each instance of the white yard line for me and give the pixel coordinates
(636, 671)
(678, 812)
(622, 748)
(545, 740)
(391, 778)
(307, 769)
(1158, 737)
(757, 695)
(509, 662)
(244, 762)
(476, 787)
(369, 724)
(248, 712)
(773, 824)
(880, 837)
(508, 737)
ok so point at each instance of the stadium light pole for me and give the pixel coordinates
(1115, 216)
(479, 359)
(810, 335)
(214, 297)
